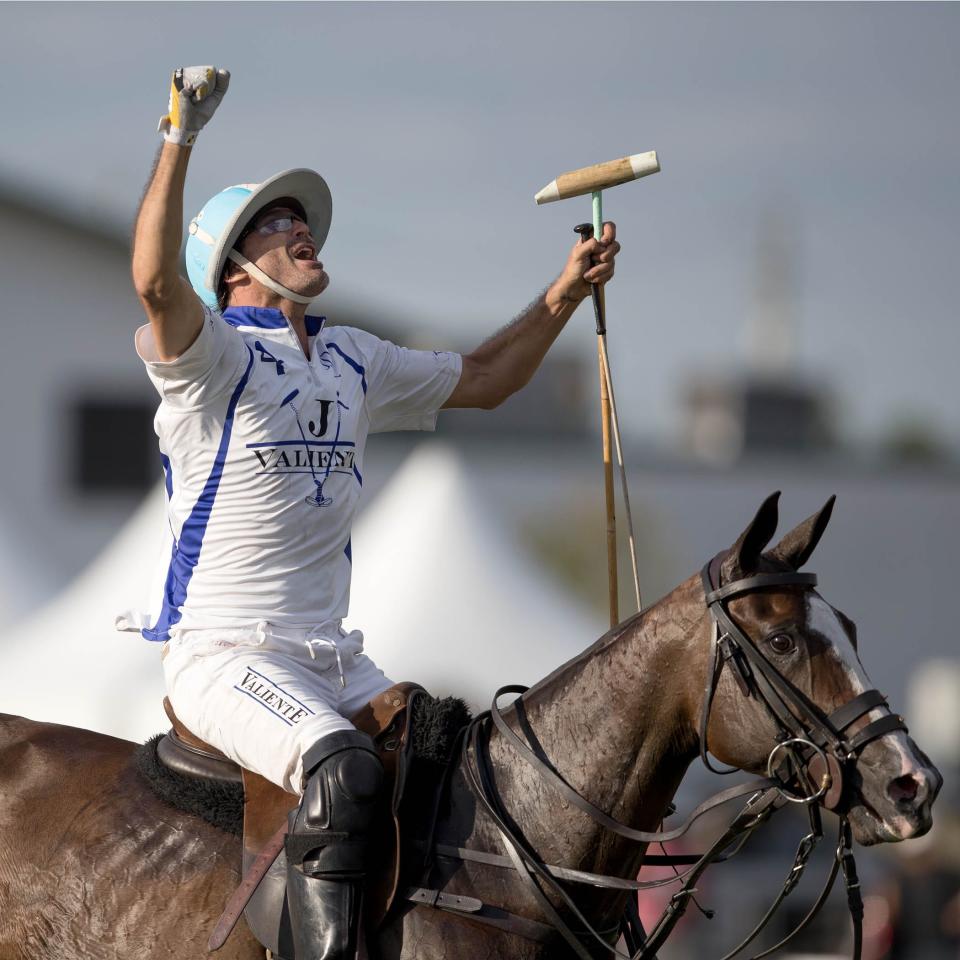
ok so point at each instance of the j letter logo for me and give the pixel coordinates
(319, 429)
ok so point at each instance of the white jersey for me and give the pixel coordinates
(263, 454)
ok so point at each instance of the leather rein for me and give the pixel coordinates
(809, 765)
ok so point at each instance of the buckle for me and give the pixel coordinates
(826, 781)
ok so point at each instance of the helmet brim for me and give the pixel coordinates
(305, 186)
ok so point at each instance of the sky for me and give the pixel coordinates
(435, 124)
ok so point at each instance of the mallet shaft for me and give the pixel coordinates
(613, 584)
(610, 173)
(586, 231)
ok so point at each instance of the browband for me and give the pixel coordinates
(757, 582)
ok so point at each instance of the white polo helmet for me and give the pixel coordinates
(215, 229)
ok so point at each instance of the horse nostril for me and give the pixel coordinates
(904, 789)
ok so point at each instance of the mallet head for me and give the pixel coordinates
(610, 173)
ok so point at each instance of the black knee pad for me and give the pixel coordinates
(328, 835)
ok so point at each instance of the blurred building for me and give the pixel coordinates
(766, 407)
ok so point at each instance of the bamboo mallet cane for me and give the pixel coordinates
(594, 180)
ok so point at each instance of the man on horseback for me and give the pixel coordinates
(263, 419)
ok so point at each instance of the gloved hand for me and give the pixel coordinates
(195, 94)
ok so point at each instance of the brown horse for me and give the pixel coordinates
(93, 865)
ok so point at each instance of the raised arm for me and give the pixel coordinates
(506, 362)
(173, 309)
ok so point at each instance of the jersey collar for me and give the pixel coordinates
(268, 318)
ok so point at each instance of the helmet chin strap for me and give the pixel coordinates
(255, 272)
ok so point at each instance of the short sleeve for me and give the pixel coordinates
(405, 388)
(211, 365)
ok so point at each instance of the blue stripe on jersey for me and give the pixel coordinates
(167, 474)
(268, 318)
(314, 325)
(353, 363)
(300, 443)
(186, 552)
(356, 473)
(348, 550)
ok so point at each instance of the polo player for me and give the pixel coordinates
(264, 415)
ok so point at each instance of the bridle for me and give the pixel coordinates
(813, 757)
(818, 751)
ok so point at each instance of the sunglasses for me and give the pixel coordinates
(279, 225)
(282, 224)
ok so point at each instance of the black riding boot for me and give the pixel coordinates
(326, 845)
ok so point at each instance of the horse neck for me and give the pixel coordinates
(618, 723)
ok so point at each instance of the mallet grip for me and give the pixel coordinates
(586, 233)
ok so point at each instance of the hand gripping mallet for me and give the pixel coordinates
(593, 180)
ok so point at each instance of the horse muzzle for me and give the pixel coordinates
(892, 800)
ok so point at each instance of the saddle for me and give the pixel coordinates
(387, 719)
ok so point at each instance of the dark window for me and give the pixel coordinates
(115, 446)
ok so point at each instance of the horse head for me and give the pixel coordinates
(798, 680)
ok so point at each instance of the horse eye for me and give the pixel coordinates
(781, 643)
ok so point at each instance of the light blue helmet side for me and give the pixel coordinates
(214, 230)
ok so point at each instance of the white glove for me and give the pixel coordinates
(195, 94)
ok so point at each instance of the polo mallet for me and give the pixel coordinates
(575, 183)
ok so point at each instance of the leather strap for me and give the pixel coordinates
(852, 883)
(854, 709)
(578, 876)
(878, 728)
(491, 916)
(595, 813)
(527, 866)
(802, 857)
(747, 820)
(811, 913)
(743, 677)
(445, 901)
(750, 584)
(241, 896)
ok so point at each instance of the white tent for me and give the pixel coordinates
(68, 664)
(447, 597)
(20, 582)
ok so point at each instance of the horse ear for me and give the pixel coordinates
(795, 548)
(744, 556)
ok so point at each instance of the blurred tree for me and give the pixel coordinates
(913, 439)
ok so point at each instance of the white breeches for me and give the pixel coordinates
(264, 695)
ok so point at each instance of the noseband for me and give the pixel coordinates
(815, 752)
